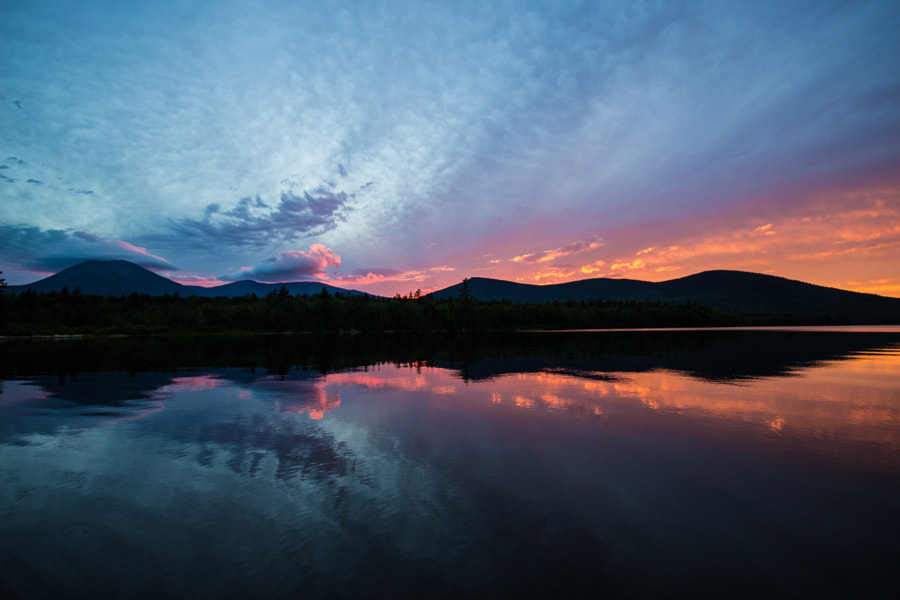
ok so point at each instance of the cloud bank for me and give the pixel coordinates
(51, 250)
(252, 222)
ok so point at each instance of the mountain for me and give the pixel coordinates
(482, 288)
(104, 278)
(736, 291)
(248, 286)
(120, 277)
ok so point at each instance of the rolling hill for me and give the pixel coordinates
(735, 291)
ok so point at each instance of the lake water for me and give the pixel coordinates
(589, 464)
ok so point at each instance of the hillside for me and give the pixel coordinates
(120, 277)
(729, 291)
(104, 278)
(734, 291)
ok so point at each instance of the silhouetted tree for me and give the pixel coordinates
(464, 292)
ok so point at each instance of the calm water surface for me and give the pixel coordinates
(630, 464)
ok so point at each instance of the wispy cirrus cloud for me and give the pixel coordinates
(389, 281)
(549, 276)
(290, 265)
(841, 238)
(366, 276)
(421, 137)
(567, 250)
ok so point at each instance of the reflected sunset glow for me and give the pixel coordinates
(314, 402)
(852, 400)
(727, 463)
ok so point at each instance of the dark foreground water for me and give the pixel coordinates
(628, 464)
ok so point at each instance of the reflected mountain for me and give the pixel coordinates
(725, 355)
(243, 425)
(476, 466)
(129, 377)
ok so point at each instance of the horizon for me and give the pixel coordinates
(413, 291)
(386, 148)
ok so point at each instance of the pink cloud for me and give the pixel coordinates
(291, 265)
(139, 250)
(189, 279)
(373, 275)
(844, 240)
(846, 237)
(568, 249)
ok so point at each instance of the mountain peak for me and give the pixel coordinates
(720, 289)
(121, 277)
(105, 278)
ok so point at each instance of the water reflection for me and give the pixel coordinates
(585, 469)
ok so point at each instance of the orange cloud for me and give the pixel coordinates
(594, 267)
(848, 241)
(549, 276)
(634, 265)
(322, 401)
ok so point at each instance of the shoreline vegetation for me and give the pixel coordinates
(68, 313)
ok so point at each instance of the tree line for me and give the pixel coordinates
(71, 312)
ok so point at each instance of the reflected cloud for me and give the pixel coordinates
(321, 400)
(850, 401)
(192, 383)
(386, 377)
(402, 462)
(673, 374)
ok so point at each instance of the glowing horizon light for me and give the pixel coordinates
(396, 149)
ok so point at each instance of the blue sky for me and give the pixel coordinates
(393, 145)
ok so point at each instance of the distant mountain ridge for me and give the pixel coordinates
(121, 277)
(733, 291)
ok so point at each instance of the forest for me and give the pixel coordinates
(71, 313)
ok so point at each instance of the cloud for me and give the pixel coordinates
(51, 250)
(548, 276)
(568, 249)
(252, 222)
(365, 276)
(594, 267)
(463, 123)
(192, 279)
(290, 265)
(634, 265)
(842, 239)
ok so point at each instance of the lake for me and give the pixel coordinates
(728, 463)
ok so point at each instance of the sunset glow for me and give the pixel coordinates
(773, 404)
(386, 148)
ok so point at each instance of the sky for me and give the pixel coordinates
(395, 146)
